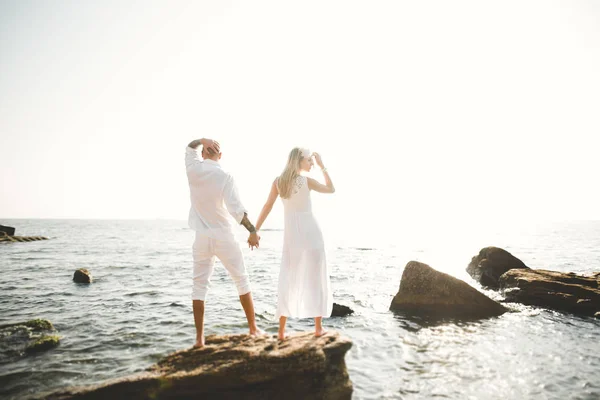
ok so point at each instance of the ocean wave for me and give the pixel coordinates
(144, 293)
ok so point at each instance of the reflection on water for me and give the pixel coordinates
(138, 309)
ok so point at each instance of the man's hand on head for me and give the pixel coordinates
(212, 146)
(209, 144)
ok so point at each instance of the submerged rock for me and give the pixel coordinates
(555, 290)
(427, 292)
(37, 324)
(25, 338)
(43, 343)
(491, 262)
(340, 310)
(82, 275)
(238, 367)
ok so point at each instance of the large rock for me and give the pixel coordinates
(82, 275)
(238, 367)
(491, 262)
(427, 292)
(550, 289)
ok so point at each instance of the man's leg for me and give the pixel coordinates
(204, 262)
(248, 305)
(199, 321)
(230, 254)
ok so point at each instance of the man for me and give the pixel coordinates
(213, 196)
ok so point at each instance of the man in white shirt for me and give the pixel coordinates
(214, 197)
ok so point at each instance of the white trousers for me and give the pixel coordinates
(228, 251)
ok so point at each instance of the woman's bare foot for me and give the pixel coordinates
(320, 332)
(199, 342)
(281, 333)
(283, 336)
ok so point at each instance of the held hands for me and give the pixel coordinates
(253, 240)
(318, 160)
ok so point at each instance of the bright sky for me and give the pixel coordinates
(421, 110)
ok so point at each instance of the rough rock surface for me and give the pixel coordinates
(238, 367)
(555, 290)
(427, 292)
(43, 343)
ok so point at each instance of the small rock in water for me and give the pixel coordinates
(43, 343)
(82, 275)
(340, 310)
(34, 324)
(39, 324)
(26, 338)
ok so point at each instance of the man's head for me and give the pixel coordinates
(210, 154)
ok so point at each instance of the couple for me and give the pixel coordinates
(304, 290)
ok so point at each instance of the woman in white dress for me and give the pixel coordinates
(304, 289)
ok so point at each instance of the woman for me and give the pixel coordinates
(304, 290)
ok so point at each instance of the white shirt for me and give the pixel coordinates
(213, 195)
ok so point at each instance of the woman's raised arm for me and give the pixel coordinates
(319, 187)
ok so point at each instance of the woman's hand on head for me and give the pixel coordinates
(318, 160)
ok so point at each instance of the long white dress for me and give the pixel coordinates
(304, 289)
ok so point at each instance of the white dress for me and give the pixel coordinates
(304, 289)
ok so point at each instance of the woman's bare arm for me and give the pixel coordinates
(319, 187)
(268, 205)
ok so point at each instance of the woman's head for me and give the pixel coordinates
(299, 160)
(306, 160)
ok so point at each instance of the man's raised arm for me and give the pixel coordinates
(191, 155)
(207, 143)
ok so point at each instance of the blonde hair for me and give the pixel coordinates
(286, 180)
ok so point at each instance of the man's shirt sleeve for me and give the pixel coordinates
(232, 200)
(191, 157)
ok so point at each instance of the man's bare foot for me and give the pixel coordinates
(283, 336)
(257, 332)
(199, 342)
(320, 333)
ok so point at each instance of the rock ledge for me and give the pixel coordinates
(238, 367)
